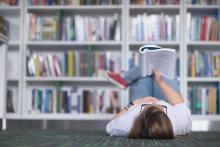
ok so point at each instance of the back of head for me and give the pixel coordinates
(152, 124)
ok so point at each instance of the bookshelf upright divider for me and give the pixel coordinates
(3, 83)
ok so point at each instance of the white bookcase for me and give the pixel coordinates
(20, 46)
(14, 14)
(199, 10)
(3, 82)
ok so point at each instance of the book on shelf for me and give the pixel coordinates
(8, 3)
(12, 100)
(203, 99)
(154, 57)
(203, 28)
(73, 63)
(155, 2)
(77, 27)
(203, 64)
(204, 2)
(43, 28)
(72, 100)
(154, 27)
(74, 2)
(4, 26)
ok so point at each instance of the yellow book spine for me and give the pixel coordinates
(193, 68)
(70, 63)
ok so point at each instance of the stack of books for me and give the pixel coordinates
(204, 100)
(144, 27)
(8, 3)
(74, 2)
(72, 100)
(204, 2)
(73, 63)
(204, 64)
(155, 2)
(203, 28)
(78, 27)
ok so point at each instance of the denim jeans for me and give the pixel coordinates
(143, 86)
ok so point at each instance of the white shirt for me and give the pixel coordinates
(179, 115)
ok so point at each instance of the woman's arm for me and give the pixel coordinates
(172, 96)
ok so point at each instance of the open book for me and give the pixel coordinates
(162, 59)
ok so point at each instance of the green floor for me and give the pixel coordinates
(29, 138)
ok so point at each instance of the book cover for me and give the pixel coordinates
(162, 59)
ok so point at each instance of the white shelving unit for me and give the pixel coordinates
(3, 82)
(197, 45)
(14, 14)
(57, 45)
(20, 46)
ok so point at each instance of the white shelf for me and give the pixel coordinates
(67, 79)
(203, 79)
(14, 79)
(204, 43)
(199, 7)
(159, 7)
(13, 43)
(12, 116)
(67, 7)
(10, 9)
(65, 116)
(162, 43)
(70, 43)
(206, 117)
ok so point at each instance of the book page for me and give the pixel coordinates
(163, 60)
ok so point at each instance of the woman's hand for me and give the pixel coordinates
(157, 76)
(145, 100)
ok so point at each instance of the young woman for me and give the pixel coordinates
(157, 110)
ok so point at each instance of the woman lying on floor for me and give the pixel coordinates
(157, 110)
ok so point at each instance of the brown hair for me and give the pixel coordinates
(152, 123)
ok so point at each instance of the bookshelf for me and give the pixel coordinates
(20, 46)
(3, 83)
(14, 14)
(205, 47)
(102, 46)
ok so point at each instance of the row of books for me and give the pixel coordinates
(204, 100)
(204, 64)
(204, 2)
(155, 2)
(91, 28)
(74, 2)
(12, 100)
(72, 100)
(8, 2)
(78, 27)
(155, 27)
(73, 63)
(4, 26)
(203, 28)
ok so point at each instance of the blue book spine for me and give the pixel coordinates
(78, 103)
(205, 58)
(33, 99)
(39, 100)
(46, 101)
(66, 63)
(218, 97)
